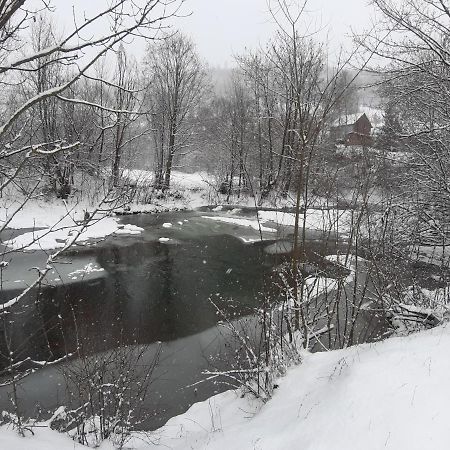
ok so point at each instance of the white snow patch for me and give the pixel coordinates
(167, 225)
(60, 234)
(128, 229)
(249, 240)
(87, 269)
(41, 214)
(316, 219)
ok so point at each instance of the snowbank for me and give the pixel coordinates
(41, 214)
(389, 395)
(44, 439)
(329, 220)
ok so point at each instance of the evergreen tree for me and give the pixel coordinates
(391, 131)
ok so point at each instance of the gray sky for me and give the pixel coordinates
(221, 28)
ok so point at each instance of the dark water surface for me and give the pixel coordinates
(142, 291)
(148, 291)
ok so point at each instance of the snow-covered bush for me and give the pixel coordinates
(258, 349)
(107, 392)
(415, 308)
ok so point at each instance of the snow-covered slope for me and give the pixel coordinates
(389, 395)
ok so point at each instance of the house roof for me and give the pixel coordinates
(375, 116)
(346, 119)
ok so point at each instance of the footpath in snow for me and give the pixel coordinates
(389, 395)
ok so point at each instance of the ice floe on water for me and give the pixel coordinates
(87, 269)
(59, 235)
(251, 223)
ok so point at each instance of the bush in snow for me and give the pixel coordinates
(107, 392)
(258, 350)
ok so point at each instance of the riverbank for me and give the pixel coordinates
(391, 394)
(40, 224)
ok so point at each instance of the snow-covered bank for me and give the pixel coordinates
(242, 222)
(38, 213)
(54, 223)
(322, 220)
(393, 394)
(60, 233)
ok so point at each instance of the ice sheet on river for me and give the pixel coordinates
(251, 223)
(316, 219)
(59, 234)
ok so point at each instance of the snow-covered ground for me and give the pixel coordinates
(178, 179)
(187, 191)
(391, 394)
(55, 222)
(388, 395)
(38, 213)
(433, 254)
(395, 158)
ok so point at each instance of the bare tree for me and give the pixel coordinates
(176, 81)
(127, 108)
(42, 130)
(310, 91)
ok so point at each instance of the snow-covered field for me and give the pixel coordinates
(389, 395)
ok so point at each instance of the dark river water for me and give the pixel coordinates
(140, 290)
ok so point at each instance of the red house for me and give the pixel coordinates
(353, 130)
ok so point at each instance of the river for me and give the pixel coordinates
(141, 290)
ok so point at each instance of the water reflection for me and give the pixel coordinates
(150, 292)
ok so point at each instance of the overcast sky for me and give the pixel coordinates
(222, 28)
